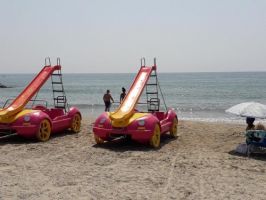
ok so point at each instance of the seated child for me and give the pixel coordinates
(260, 126)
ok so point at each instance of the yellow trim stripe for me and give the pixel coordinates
(13, 118)
(126, 122)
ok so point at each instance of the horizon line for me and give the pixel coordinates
(135, 72)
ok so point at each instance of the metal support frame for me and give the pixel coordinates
(153, 89)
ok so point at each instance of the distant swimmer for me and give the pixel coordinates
(123, 94)
(107, 97)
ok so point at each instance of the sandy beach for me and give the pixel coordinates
(200, 164)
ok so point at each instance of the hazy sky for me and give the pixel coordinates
(112, 35)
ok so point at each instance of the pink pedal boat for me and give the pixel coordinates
(40, 121)
(126, 121)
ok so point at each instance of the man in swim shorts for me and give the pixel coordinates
(107, 97)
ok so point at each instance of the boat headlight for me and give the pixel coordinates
(26, 118)
(102, 120)
(141, 122)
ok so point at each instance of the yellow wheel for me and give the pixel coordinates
(98, 140)
(156, 137)
(76, 123)
(173, 129)
(44, 131)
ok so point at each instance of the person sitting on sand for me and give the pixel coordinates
(123, 94)
(107, 97)
(250, 121)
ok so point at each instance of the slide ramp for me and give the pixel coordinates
(25, 96)
(126, 109)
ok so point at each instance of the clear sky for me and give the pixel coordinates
(94, 36)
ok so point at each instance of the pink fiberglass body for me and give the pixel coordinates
(29, 124)
(138, 131)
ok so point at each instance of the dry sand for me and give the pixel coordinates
(200, 164)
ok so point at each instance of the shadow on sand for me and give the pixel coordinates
(123, 145)
(16, 139)
(255, 156)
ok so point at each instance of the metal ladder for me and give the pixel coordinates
(59, 96)
(152, 90)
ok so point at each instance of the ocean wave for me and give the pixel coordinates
(176, 108)
(83, 106)
(224, 120)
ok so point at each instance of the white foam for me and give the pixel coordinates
(219, 120)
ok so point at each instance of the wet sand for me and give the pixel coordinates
(200, 164)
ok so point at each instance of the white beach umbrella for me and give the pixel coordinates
(249, 109)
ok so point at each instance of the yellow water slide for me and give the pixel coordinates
(126, 109)
(25, 96)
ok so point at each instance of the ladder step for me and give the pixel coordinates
(149, 110)
(58, 90)
(56, 74)
(60, 99)
(151, 92)
(60, 106)
(153, 75)
(151, 84)
(153, 101)
(57, 82)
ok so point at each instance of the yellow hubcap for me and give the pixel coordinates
(98, 140)
(156, 137)
(44, 131)
(173, 130)
(76, 123)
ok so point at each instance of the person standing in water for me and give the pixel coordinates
(107, 97)
(123, 94)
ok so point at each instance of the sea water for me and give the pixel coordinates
(194, 96)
